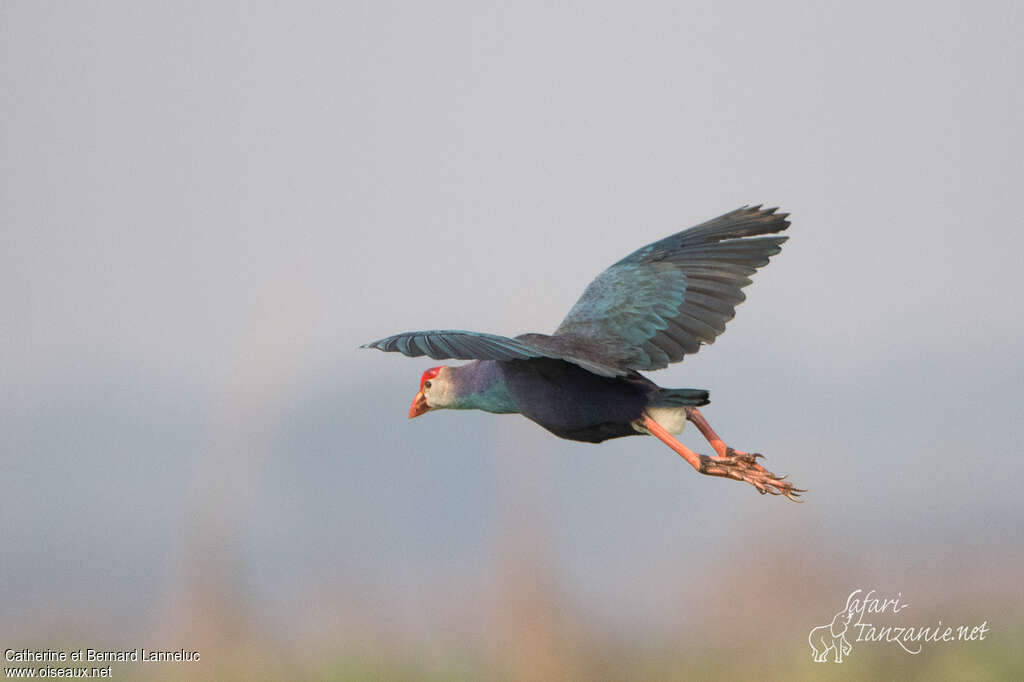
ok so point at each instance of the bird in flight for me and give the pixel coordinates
(653, 307)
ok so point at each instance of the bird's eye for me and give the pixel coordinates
(426, 385)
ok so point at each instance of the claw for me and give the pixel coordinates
(744, 467)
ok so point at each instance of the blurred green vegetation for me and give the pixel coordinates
(774, 657)
(735, 624)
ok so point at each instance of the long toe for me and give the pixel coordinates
(744, 467)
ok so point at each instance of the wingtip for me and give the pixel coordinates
(758, 211)
(776, 218)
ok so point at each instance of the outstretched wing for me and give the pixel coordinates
(456, 344)
(664, 300)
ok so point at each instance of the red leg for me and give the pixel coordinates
(694, 415)
(665, 437)
(728, 463)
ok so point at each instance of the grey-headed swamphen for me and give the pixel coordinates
(653, 307)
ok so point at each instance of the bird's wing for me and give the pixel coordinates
(664, 300)
(456, 344)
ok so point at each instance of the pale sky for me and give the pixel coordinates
(206, 208)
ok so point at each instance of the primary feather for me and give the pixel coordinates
(457, 344)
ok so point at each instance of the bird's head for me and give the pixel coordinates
(436, 391)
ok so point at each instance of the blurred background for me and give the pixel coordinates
(206, 207)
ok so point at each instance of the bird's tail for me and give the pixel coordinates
(680, 397)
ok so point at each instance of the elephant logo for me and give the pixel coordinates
(832, 637)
